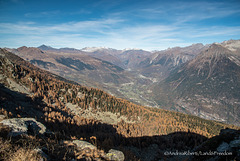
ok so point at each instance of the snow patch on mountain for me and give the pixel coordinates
(92, 49)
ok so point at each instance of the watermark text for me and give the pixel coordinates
(198, 153)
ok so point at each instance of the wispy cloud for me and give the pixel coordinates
(149, 26)
(102, 33)
(182, 12)
(69, 27)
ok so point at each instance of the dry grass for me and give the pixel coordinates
(24, 155)
(5, 149)
(9, 152)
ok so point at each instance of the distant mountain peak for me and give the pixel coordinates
(216, 50)
(233, 45)
(214, 53)
(22, 47)
(29, 50)
(45, 47)
(196, 45)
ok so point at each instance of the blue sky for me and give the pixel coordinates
(119, 24)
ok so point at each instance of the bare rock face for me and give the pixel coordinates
(21, 126)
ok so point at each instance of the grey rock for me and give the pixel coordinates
(115, 155)
(84, 144)
(21, 126)
(223, 147)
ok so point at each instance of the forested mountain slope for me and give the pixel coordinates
(75, 111)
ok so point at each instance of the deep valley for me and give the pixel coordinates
(162, 79)
(177, 100)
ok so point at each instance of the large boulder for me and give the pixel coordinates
(114, 155)
(83, 144)
(223, 147)
(21, 126)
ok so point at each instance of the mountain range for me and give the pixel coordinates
(207, 86)
(45, 116)
(202, 80)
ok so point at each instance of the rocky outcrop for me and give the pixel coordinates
(21, 126)
(85, 150)
(114, 155)
(83, 144)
